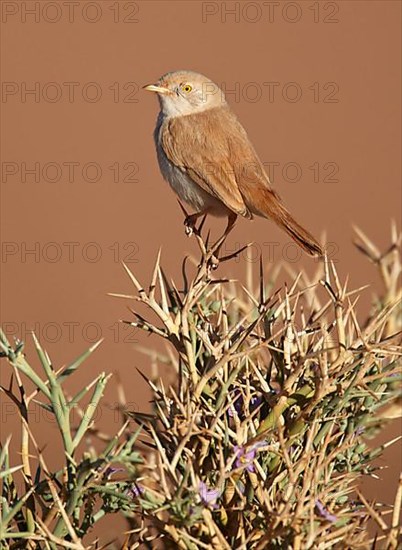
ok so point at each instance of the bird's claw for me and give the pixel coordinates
(189, 226)
(213, 262)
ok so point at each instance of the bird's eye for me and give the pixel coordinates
(186, 88)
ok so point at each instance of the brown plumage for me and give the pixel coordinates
(208, 159)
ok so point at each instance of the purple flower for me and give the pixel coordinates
(238, 404)
(135, 491)
(324, 512)
(255, 402)
(208, 496)
(244, 459)
(246, 455)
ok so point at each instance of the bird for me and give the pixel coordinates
(206, 156)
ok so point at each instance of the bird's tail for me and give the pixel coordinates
(273, 208)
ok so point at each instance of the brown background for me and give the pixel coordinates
(347, 52)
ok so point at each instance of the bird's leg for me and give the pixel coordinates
(232, 217)
(190, 220)
(214, 260)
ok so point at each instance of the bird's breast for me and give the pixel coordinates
(181, 183)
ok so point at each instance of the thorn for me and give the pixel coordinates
(202, 224)
(207, 239)
(183, 209)
(134, 280)
(235, 253)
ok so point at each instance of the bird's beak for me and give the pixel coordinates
(157, 89)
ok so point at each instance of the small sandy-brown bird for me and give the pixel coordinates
(207, 158)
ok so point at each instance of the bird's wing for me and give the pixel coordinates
(214, 150)
(201, 145)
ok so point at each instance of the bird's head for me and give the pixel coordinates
(186, 92)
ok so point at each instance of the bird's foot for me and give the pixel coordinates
(213, 262)
(190, 221)
(189, 226)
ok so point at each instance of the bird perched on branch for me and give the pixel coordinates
(207, 158)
